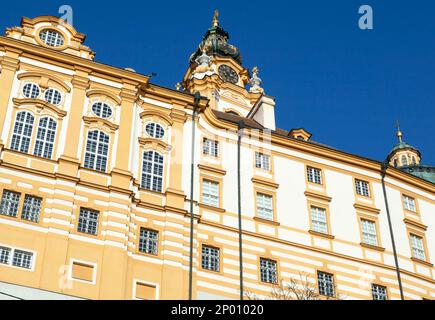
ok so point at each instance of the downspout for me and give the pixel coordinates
(241, 125)
(192, 167)
(384, 167)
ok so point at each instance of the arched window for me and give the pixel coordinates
(22, 131)
(155, 130)
(53, 96)
(152, 171)
(51, 38)
(404, 161)
(414, 162)
(102, 110)
(97, 149)
(395, 163)
(45, 138)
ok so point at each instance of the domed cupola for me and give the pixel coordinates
(215, 42)
(403, 154)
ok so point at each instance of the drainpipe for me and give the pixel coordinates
(241, 125)
(384, 167)
(197, 99)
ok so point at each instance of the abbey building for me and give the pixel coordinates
(96, 185)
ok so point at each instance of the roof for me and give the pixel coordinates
(421, 171)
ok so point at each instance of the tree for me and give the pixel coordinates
(302, 289)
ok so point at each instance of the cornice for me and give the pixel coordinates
(261, 181)
(40, 104)
(212, 169)
(362, 207)
(110, 125)
(414, 223)
(317, 196)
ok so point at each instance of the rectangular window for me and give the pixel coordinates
(22, 259)
(148, 241)
(362, 188)
(314, 175)
(82, 271)
(9, 204)
(318, 220)
(5, 255)
(326, 284)
(379, 292)
(417, 247)
(88, 221)
(264, 206)
(210, 147)
(210, 193)
(409, 203)
(268, 271)
(145, 291)
(210, 258)
(369, 235)
(31, 208)
(262, 161)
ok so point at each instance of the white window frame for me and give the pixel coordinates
(156, 131)
(369, 232)
(362, 188)
(22, 127)
(148, 240)
(376, 293)
(53, 94)
(211, 258)
(43, 132)
(32, 206)
(11, 257)
(210, 193)
(92, 165)
(147, 283)
(157, 162)
(262, 161)
(210, 147)
(269, 265)
(52, 38)
(319, 220)
(314, 175)
(421, 251)
(94, 271)
(33, 86)
(87, 219)
(326, 283)
(409, 203)
(264, 204)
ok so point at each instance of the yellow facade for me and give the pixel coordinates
(110, 264)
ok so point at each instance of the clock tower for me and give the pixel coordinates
(217, 72)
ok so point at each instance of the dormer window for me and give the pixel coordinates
(51, 38)
(53, 96)
(31, 90)
(102, 110)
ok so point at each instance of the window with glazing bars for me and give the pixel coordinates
(88, 221)
(262, 161)
(264, 206)
(210, 147)
(22, 259)
(362, 188)
(418, 247)
(318, 220)
(9, 203)
(326, 284)
(148, 241)
(369, 233)
(210, 258)
(97, 149)
(210, 193)
(45, 138)
(22, 131)
(152, 171)
(409, 203)
(268, 271)
(5, 255)
(31, 208)
(314, 175)
(379, 292)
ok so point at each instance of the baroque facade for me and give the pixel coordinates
(95, 185)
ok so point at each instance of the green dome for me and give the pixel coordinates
(403, 145)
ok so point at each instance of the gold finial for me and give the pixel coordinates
(215, 18)
(399, 133)
(255, 70)
(178, 86)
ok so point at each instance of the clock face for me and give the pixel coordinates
(228, 74)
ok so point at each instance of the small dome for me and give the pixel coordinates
(402, 146)
(215, 42)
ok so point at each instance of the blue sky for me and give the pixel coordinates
(344, 85)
